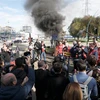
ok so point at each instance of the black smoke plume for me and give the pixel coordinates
(46, 15)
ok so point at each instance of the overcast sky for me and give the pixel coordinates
(12, 12)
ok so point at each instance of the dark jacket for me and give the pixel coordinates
(73, 51)
(41, 77)
(37, 46)
(20, 75)
(1, 70)
(56, 86)
(6, 55)
(18, 92)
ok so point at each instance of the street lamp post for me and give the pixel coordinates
(87, 31)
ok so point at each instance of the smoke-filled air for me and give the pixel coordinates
(46, 16)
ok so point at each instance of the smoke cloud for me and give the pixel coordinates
(46, 15)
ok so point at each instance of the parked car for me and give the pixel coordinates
(17, 41)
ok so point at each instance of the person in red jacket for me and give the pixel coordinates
(60, 48)
(43, 53)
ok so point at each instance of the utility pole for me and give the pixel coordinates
(86, 7)
(87, 31)
(87, 28)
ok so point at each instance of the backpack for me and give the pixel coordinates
(84, 87)
(38, 45)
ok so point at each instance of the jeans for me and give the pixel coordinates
(33, 54)
(37, 53)
(43, 55)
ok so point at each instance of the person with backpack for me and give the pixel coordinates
(37, 47)
(88, 84)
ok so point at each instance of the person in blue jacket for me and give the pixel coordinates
(10, 91)
(82, 77)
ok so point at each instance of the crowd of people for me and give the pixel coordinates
(20, 81)
(38, 50)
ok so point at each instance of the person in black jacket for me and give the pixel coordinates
(57, 83)
(19, 70)
(41, 76)
(77, 53)
(6, 55)
(37, 48)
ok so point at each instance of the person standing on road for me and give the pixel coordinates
(6, 54)
(52, 42)
(37, 47)
(60, 48)
(43, 53)
(17, 52)
(31, 50)
(56, 49)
